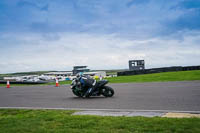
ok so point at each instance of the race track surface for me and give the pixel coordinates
(180, 96)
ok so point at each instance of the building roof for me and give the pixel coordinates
(94, 72)
(58, 73)
(80, 66)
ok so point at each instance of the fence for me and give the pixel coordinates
(158, 70)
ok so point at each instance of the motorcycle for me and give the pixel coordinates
(100, 89)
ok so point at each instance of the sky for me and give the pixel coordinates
(39, 35)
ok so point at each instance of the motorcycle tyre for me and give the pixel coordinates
(106, 90)
(77, 94)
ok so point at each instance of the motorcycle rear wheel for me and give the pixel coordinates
(107, 91)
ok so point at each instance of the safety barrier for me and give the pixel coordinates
(158, 70)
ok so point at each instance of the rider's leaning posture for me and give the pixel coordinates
(87, 82)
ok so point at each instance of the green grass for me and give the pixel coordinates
(25, 73)
(50, 83)
(158, 77)
(4, 85)
(60, 82)
(60, 121)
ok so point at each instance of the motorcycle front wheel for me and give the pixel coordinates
(107, 91)
(77, 93)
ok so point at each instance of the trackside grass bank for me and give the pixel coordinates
(60, 82)
(51, 83)
(61, 121)
(158, 77)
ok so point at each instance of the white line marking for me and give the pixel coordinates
(113, 110)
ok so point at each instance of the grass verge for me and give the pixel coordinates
(60, 82)
(58, 121)
(50, 83)
(156, 77)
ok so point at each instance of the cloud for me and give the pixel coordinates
(135, 2)
(147, 18)
(28, 4)
(86, 16)
(188, 19)
(100, 34)
(36, 52)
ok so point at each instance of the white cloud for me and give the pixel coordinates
(36, 52)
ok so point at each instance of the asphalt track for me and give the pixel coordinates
(180, 96)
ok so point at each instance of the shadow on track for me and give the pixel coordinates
(83, 98)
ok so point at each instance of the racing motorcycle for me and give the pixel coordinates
(100, 89)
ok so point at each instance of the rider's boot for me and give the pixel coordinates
(88, 92)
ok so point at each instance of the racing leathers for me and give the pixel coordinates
(89, 84)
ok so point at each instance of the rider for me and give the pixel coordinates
(87, 82)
